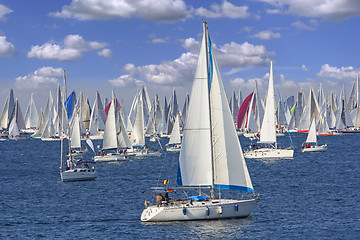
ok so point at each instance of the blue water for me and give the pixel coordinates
(314, 196)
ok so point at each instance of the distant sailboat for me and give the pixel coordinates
(211, 157)
(115, 140)
(74, 169)
(310, 144)
(174, 144)
(268, 131)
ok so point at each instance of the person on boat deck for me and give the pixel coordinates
(166, 197)
(308, 145)
(159, 199)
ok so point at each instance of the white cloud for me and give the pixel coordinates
(226, 9)
(343, 73)
(42, 78)
(273, 11)
(158, 40)
(105, 53)
(72, 49)
(267, 35)
(304, 68)
(181, 70)
(330, 10)
(7, 49)
(313, 25)
(3, 11)
(153, 10)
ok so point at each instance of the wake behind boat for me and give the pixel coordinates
(211, 158)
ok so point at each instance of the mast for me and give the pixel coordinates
(62, 128)
(212, 191)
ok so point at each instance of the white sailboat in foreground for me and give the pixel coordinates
(310, 144)
(211, 157)
(268, 131)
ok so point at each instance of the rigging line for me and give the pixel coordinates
(282, 107)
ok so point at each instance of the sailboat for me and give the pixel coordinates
(115, 140)
(76, 149)
(310, 144)
(75, 169)
(174, 144)
(211, 157)
(137, 138)
(268, 130)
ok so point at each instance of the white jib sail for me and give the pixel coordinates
(230, 170)
(268, 131)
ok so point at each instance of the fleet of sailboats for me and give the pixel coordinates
(205, 133)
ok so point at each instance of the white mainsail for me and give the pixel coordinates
(175, 134)
(75, 133)
(211, 154)
(138, 137)
(110, 139)
(268, 131)
(31, 114)
(311, 138)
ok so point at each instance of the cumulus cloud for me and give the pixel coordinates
(329, 10)
(226, 9)
(105, 53)
(153, 10)
(267, 35)
(3, 11)
(71, 50)
(42, 78)
(182, 69)
(7, 49)
(304, 68)
(313, 25)
(343, 73)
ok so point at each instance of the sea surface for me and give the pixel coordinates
(312, 196)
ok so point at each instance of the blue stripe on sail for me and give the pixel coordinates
(211, 63)
(234, 187)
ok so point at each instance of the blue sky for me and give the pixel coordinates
(124, 44)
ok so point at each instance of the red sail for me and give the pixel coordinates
(244, 110)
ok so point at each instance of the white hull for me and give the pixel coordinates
(50, 139)
(262, 153)
(78, 174)
(111, 158)
(321, 148)
(146, 154)
(199, 210)
(170, 149)
(249, 135)
(96, 137)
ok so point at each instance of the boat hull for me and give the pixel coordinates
(111, 158)
(321, 148)
(202, 210)
(170, 149)
(78, 174)
(262, 153)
